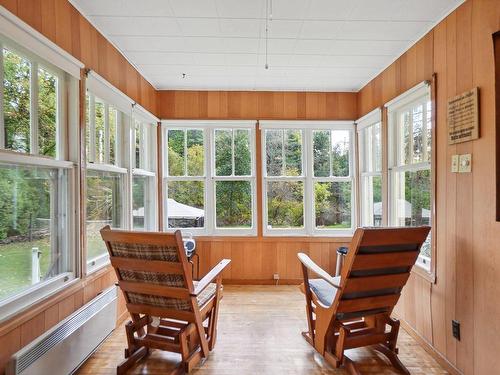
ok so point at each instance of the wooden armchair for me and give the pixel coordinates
(168, 309)
(354, 309)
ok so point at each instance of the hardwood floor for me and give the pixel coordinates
(259, 333)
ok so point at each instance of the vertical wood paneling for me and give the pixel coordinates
(257, 259)
(272, 105)
(460, 51)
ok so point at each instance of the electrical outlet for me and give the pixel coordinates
(465, 163)
(454, 163)
(276, 276)
(455, 326)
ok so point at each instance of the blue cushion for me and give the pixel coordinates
(323, 290)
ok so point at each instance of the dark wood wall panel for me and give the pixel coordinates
(460, 51)
(273, 105)
(60, 22)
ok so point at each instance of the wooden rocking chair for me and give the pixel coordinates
(354, 309)
(167, 308)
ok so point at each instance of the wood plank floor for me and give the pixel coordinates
(259, 333)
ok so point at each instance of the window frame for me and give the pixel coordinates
(422, 94)
(308, 127)
(120, 166)
(147, 165)
(209, 176)
(41, 53)
(36, 62)
(368, 121)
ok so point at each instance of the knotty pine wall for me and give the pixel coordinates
(257, 105)
(460, 51)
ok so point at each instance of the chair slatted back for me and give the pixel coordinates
(376, 269)
(152, 271)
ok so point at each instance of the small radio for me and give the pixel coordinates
(189, 243)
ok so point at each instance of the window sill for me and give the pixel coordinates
(97, 263)
(274, 238)
(423, 273)
(30, 297)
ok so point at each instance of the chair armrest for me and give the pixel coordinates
(209, 277)
(310, 265)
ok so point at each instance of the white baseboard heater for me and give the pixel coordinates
(62, 349)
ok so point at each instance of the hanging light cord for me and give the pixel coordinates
(269, 16)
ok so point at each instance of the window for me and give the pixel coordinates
(210, 169)
(106, 176)
(410, 147)
(370, 164)
(284, 178)
(37, 242)
(144, 176)
(308, 177)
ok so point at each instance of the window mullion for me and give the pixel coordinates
(209, 136)
(185, 153)
(2, 124)
(308, 197)
(92, 135)
(34, 107)
(106, 134)
(424, 130)
(232, 153)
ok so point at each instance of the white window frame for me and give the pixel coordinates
(32, 45)
(308, 177)
(208, 127)
(122, 165)
(420, 94)
(368, 121)
(147, 125)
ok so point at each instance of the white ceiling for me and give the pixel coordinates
(314, 45)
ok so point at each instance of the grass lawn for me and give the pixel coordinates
(15, 265)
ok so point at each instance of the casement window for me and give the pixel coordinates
(210, 176)
(38, 179)
(369, 130)
(144, 155)
(108, 148)
(308, 177)
(410, 162)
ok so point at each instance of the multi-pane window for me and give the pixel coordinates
(143, 176)
(185, 185)
(332, 182)
(233, 178)
(106, 176)
(410, 191)
(210, 178)
(370, 165)
(36, 243)
(308, 178)
(284, 178)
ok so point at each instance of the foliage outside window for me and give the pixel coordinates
(34, 224)
(104, 206)
(106, 179)
(308, 178)
(144, 176)
(410, 193)
(210, 179)
(370, 163)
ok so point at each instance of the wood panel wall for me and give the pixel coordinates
(460, 51)
(60, 22)
(254, 260)
(257, 105)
